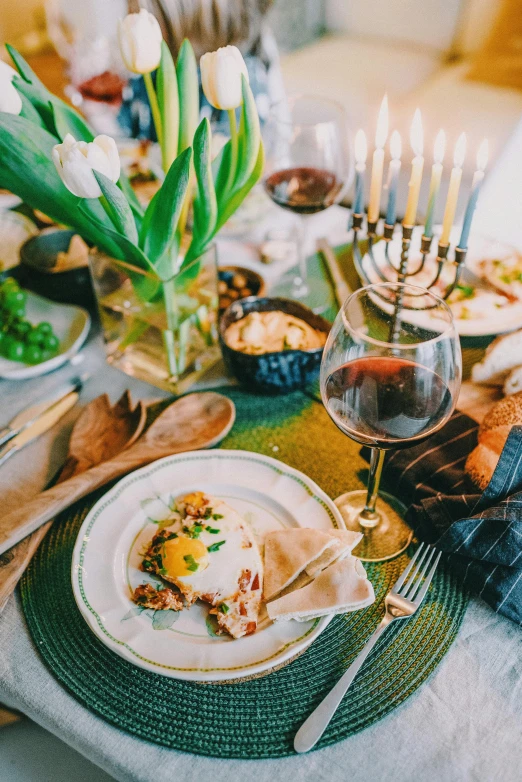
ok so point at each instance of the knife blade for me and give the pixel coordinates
(42, 424)
(26, 417)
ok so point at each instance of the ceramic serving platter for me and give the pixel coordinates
(183, 645)
(70, 324)
(487, 318)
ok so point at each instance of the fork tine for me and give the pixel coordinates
(416, 580)
(422, 592)
(404, 575)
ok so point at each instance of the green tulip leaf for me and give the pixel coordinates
(235, 201)
(40, 97)
(158, 231)
(167, 90)
(249, 137)
(118, 207)
(29, 112)
(205, 206)
(220, 169)
(43, 108)
(188, 90)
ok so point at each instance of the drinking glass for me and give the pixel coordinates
(390, 378)
(308, 166)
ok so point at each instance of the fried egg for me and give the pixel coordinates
(210, 553)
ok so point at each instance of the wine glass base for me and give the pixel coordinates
(390, 536)
(291, 286)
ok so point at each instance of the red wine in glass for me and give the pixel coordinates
(304, 190)
(387, 402)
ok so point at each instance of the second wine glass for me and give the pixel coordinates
(308, 166)
(390, 378)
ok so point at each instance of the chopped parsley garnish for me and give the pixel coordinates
(147, 564)
(191, 562)
(194, 531)
(208, 513)
(163, 571)
(216, 546)
(224, 608)
(213, 531)
(141, 599)
(217, 516)
(467, 291)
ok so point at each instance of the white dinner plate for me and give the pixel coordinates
(183, 645)
(71, 325)
(489, 320)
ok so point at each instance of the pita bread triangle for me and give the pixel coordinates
(342, 587)
(295, 555)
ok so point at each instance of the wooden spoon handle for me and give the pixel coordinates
(14, 562)
(45, 506)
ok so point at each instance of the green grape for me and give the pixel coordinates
(33, 337)
(14, 349)
(22, 328)
(50, 342)
(32, 354)
(15, 299)
(44, 328)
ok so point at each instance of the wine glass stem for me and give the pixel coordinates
(302, 234)
(369, 517)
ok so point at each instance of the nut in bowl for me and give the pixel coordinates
(238, 282)
(272, 355)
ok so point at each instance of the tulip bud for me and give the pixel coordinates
(10, 100)
(75, 161)
(221, 77)
(140, 42)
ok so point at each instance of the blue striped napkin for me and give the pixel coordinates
(481, 534)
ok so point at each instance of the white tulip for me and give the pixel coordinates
(221, 77)
(75, 161)
(10, 100)
(140, 42)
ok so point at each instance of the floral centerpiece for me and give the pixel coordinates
(156, 283)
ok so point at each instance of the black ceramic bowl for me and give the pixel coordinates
(272, 373)
(37, 260)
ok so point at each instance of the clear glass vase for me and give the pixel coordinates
(161, 331)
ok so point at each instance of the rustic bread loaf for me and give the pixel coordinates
(502, 356)
(492, 436)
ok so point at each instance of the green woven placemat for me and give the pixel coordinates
(257, 718)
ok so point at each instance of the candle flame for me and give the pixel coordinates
(416, 134)
(460, 151)
(381, 133)
(482, 155)
(395, 145)
(361, 147)
(440, 147)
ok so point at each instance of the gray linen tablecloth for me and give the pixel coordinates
(464, 724)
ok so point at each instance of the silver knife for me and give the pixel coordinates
(42, 424)
(26, 417)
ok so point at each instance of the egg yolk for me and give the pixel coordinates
(184, 557)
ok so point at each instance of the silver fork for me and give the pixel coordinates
(401, 602)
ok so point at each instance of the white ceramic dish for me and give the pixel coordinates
(71, 325)
(106, 559)
(15, 229)
(491, 320)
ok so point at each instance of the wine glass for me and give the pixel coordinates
(307, 168)
(390, 377)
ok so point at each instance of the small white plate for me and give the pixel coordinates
(71, 325)
(106, 558)
(492, 320)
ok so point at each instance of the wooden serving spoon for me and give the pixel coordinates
(192, 422)
(99, 434)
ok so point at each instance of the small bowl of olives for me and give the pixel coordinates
(238, 282)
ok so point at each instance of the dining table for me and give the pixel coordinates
(464, 723)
